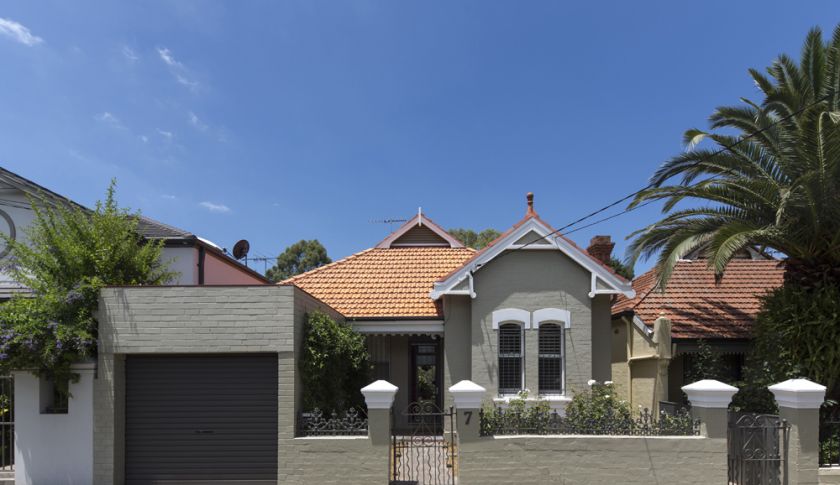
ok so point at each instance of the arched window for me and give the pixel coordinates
(510, 358)
(551, 359)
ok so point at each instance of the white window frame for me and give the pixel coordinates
(562, 360)
(521, 358)
(516, 316)
(557, 316)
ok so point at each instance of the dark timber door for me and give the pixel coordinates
(201, 419)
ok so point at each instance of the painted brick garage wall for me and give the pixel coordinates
(185, 320)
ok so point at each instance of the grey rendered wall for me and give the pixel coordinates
(602, 338)
(457, 356)
(829, 476)
(207, 319)
(592, 460)
(349, 460)
(532, 280)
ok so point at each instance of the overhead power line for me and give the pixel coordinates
(559, 232)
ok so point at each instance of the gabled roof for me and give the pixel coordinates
(532, 233)
(700, 307)
(420, 231)
(146, 226)
(391, 280)
(383, 283)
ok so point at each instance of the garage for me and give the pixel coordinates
(201, 419)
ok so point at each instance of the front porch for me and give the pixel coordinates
(414, 363)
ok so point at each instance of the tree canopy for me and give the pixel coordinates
(298, 258)
(621, 268)
(771, 180)
(72, 253)
(472, 239)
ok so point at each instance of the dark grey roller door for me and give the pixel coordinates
(201, 419)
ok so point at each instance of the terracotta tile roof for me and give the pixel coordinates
(383, 283)
(700, 308)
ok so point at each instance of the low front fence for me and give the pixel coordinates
(353, 422)
(539, 421)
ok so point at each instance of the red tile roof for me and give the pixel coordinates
(383, 283)
(698, 306)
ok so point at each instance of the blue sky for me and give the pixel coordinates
(277, 121)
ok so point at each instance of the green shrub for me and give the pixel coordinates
(598, 408)
(334, 366)
(796, 335)
(71, 255)
(521, 416)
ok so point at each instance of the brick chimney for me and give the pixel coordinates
(600, 247)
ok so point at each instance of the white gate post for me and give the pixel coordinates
(710, 402)
(379, 397)
(467, 396)
(799, 403)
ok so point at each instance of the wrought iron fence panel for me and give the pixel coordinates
(757, 449)
(830, 437)
(426, 454)
(354, 422)
(539, 421)
(7, 423)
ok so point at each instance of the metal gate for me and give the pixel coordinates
(757, 449)
(426, 453)
(7, 424)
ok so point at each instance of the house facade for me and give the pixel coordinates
(531, 311)
(54, 443)
(656, 334)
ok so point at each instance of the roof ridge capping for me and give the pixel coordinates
(511, 240)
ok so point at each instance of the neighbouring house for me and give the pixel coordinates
(655, 334)
(529, 311)
(62, 435)
(196, 260)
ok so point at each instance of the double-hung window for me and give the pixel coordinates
(551, 359)
(510, 358)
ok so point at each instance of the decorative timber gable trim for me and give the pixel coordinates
(530, 229)
(420, 231)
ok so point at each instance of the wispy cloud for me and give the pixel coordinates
(213, 207)
(18, 32)
(193, 85)
(177, 68)
(129, 54)
(166, 134)
(167, 57)
(109, 119)
(143, 138)
(196, 122)
(169, 197)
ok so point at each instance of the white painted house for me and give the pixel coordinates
(63, 435)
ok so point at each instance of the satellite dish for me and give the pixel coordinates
(240, 249)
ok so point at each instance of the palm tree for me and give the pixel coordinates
(773, 185)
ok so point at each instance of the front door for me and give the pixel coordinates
(426, 372)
